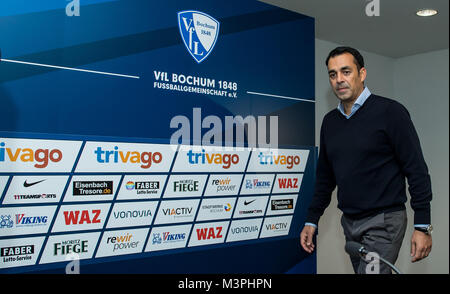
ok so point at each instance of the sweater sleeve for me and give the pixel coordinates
(324, 186)
(408, 153)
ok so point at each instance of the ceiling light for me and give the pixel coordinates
(426, 12)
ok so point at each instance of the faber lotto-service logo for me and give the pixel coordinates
(199, 32)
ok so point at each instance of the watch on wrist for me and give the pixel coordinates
(427, 230)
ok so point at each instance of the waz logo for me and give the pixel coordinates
(199, 32)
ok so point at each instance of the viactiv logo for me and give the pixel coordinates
(199, 32)
(145, 159)
(226, 160)
(41, 157)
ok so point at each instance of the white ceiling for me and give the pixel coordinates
(396, 32)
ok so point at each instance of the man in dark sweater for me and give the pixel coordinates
(368, 146)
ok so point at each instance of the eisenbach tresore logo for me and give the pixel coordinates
(199, 32)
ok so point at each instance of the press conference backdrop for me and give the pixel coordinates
(108, 108)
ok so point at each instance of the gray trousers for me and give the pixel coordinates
(382, 234)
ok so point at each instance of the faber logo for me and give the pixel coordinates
(199, 32)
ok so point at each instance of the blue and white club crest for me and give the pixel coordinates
(199, 32)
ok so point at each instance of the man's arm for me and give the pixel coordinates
(324, 186)
(408, 152)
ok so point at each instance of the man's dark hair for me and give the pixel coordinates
(358, 59)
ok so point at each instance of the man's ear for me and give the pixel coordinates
(363, 74)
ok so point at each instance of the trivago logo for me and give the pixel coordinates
(40, 157)
(144, 159)
(277, 159)
(226, 160)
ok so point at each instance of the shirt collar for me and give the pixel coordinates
(359, 102)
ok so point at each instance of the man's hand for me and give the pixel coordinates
(306, 238)
(420, 245)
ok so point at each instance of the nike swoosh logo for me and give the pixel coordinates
(248, 202)
(26, 185)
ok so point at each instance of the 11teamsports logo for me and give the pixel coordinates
(199, 32)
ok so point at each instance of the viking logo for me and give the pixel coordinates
(199, 32)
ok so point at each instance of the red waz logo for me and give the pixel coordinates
(81, 217)
(209, 233)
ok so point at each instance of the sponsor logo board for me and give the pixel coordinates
(33, 155)
(250, 206)
(287, 183)
(122, 242)
(128, 214)
(257, 184)
(92, 188)
(81, 217)
(60, 246)
(19, 252)
(276, 226)
(208, 233)
(278, 160)
(170, 237)
(185, 186)
(176, 211)
(129, 157)
(216, 208)
(281, 204)
(35, 189)
(247, 229)
(210, 159)
(141, 187)
(25, 220)
(221, 185)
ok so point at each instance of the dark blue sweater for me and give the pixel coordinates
(368, 157)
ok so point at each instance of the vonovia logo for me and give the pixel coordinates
(199, 32)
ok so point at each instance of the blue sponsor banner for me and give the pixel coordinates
(113, 86)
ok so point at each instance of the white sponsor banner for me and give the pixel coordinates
(211, 159)
(81, 217)
(125, 157)
(176, 211)
(122, 242)
(281, 204)
(276, 226)
(3, 181)
(221, 185)
(25, 220)
(287, 183)
(170, 237)
(257, 184)
(60, 246)
(19, 252)
(128, 214)
(278, 160)
(216, 208)
(35, 155)
(35, 189)
(92, 188)
(141, 187)
(251, 206)
(185, 186)
(208, 233)
(247, 229)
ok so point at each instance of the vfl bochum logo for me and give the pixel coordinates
(199, 32)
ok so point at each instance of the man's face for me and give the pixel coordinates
(345, 79)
